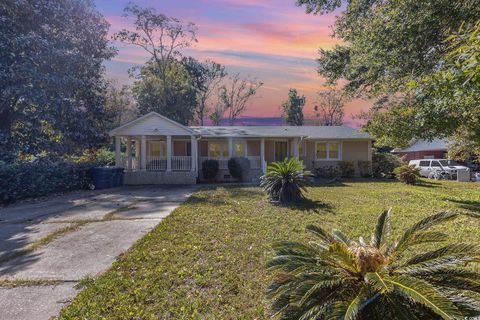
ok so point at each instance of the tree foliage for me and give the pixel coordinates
(163, 84)
(400, 53)
(51, 76)
(293, 108)
(206, 78)
(336, 277)
(329, 110)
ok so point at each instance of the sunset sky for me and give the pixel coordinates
(271, 40)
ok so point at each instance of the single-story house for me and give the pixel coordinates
(162, 151)
(424, 149)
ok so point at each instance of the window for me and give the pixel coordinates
(218, 150)
(301, 148)
(157, 149)
(239, 149)
(424, 164)
(321, 150)
(280, 150)
(435, 164)
(328, 151)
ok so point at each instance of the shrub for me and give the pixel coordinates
(328, 172)
(100, 157)
(210, 169)
(407, 174)
(285, 181)
(365, 169)
(34, 179)
(239, 167)
(336, 277)
(347, 169)
(383, 164)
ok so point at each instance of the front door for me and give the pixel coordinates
(280, 150)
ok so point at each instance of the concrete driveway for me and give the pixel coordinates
(47, 247)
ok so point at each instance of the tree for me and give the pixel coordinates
(150, 92)
(206, 77)
(386, 46)
(293, 108)
(119, 104)
(442, 104)
(235, 94)
(51, 76)
(329, 110)
(163, 38)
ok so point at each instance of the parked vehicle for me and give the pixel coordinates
(441, 168)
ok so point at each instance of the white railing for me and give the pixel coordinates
(156, 163)
(255, 162)
(181, 163)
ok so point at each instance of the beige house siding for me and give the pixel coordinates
(354, 151)
(253, 148)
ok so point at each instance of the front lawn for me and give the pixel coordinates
(207, 259)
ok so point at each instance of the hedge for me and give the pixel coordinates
(25, 180)
(239, 167)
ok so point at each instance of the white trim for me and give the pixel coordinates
(112, 132)
(327, 143)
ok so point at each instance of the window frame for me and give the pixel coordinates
(220, 143)
(235, 143)
(327, 143)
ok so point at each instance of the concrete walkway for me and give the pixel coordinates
(49, 246)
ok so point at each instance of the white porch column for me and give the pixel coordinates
(118, 152)
(169, 153)
(296, 152)
(262, 154)
(143, 153)
(137, 154)
(230, 148)
(129, 154)
(193, 153)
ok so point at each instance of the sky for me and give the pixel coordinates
(273, 41)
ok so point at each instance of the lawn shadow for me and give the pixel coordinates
(466, 204)
(309, 205)
(427, 184)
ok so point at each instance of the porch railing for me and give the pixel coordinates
(156, 163)
(181, 163)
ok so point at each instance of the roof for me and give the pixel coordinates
(155, 124)
(308, 132)
(425, 145)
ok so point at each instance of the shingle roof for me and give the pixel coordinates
(308, 132)
(424, 145)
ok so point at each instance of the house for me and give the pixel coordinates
(424, 149)
(162, 151)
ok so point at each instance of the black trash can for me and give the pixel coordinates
(107, 177)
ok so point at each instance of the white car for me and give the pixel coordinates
(445, 168)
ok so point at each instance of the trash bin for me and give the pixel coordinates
(107, 177)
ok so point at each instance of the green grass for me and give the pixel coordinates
(207, 259)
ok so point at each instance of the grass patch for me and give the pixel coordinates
(207, 259)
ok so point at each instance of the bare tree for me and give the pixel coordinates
(329, 110)
(161, 36)
(235, 94)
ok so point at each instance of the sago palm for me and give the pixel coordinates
(338, 278)
(285, 181)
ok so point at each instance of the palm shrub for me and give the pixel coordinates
(338, 278)
(408, 174)
(285, 181)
